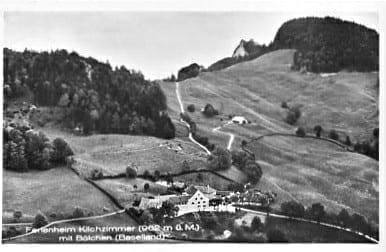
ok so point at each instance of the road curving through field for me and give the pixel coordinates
(187, 124)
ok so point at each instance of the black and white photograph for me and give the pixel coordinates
(179, 126)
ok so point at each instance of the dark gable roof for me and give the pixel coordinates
(179, 199)
(204, 189)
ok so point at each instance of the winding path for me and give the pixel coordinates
(217, 129)
(231, 135)
(187, 124)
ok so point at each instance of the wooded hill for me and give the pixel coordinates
(323, 45)
(329, 44)
(94, 96)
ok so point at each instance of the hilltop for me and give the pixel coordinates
(324, 45)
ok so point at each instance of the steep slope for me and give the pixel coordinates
(305, 169)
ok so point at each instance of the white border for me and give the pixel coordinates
(221, 5)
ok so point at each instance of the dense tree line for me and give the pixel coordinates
(189, 71)
(25, 150)
(329, 44)
(247, 163)
(94, 96)
(317, 212)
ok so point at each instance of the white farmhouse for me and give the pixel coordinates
(239, 120)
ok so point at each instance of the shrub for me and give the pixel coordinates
(253, 170)
(348, 141)
(256, 224)
(318, 130)
(96, 174)
(284, 105)
(291, 118)
(333, 135)
(209, 110)
(211, 146)
(316, 212)
(186, 117)
(78, 213)
(146, 174)
(293, 209)
(220, 159)
(300, 132)
(131, 171)
(191, 108)
(40, 220)
(157, 175)
(146, 186)
(376, 133)
(276, 235)
(17, 215)
(185, 166)
(344, 218)
(293, 115)
(62, 150)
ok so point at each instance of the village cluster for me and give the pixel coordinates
(198, 198)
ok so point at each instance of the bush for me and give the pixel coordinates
(348, 141)
(256, 224)
(39, 221)
(186, 117)
(191, 108)
(293, 209)
(146, 186)
(333, 135)
(376, 133)
(17, 215)
(291, 118)
(185, 166)
(78, 213)
(344, 218)
(318, 130)
(276, 235)
(220, 159)
(253, 170)
(210, 111)
(61, 151)
(146, 174)
(131, 171)
(284, 105)
(300, 132)
(316, 212)
(96, 174)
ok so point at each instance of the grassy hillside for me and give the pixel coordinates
(305, 169)
(57, 191)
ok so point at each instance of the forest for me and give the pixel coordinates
(329, 44)
(95, 97)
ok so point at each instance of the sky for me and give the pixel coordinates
(156, 43)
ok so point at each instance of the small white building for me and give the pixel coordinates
(239, 120)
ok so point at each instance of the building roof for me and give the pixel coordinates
(150, 203)
(177, 200)
(204, 189)
(239, 118)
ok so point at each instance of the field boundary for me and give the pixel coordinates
(310, 221)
